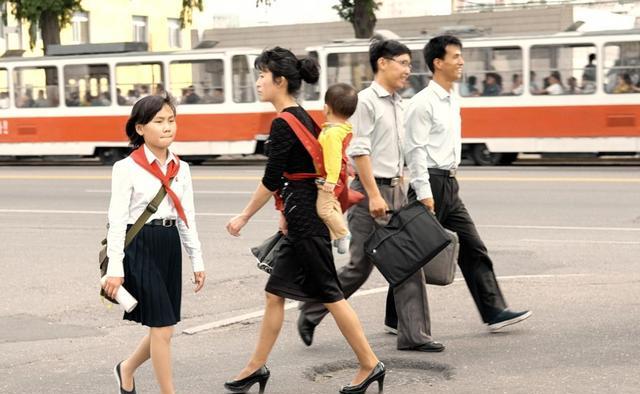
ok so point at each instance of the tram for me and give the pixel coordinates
(571, 92)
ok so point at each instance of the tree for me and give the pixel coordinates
(361, 14)
(47, 15)
(186, 15)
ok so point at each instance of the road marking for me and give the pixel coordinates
(256, 178)
(196, 191)
(508, 226)
(359, 293)
(580, 241)
(88, 212)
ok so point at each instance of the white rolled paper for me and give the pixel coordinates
(124, 298)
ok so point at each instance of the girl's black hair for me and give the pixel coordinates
(283, 63)
(143, 112)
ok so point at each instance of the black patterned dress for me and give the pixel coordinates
(305, 270)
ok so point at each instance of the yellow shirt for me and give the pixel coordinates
(331, 139)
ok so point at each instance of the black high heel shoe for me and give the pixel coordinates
(377, 374)
(260, 376)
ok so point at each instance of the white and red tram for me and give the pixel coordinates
(506, 109)
(77, 105)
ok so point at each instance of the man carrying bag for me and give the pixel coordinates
(433, 151)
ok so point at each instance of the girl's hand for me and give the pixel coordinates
(111, 285)
(198, 279)
(236, 224)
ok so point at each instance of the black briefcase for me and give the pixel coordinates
(411, 239)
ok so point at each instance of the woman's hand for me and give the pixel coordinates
(111, 285)
(198, 279)
(236, 224)
(282, 226)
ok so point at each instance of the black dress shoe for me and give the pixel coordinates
(431, 346)
(306, 329)
(377, 374)
(507, 318)
(260, 376)
(116, 372)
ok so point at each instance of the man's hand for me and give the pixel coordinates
(429, 203)
(378, 207)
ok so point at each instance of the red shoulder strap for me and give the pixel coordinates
(309, 141)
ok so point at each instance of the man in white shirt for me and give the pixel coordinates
(433, 144)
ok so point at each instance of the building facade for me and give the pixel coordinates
(156, 22)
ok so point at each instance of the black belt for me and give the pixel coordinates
(162, 222)
(449, 173)
(393, 182)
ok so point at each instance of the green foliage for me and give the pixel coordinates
(346, 9)
(186, 15)
(32, 12)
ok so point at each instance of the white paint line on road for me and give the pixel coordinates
(230, 214)
(104, 191)
(508, 226)
(360, 293)
(580, 241)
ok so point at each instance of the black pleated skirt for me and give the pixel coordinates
(153, 276)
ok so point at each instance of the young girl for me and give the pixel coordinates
(150, 267)
(304, 270)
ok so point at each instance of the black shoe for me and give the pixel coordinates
(260, 376)
(507, 318)
(305, 329)
(377, 374)
(116, 372)
(431, 346)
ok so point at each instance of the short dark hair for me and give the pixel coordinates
(387, 49)
(283, 63)
(342, 98)
(143, 112)
(436, 48)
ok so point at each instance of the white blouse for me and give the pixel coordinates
(132, 188)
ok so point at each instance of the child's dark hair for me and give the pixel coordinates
(283, 63)
(143, 112)
(436, 48)
(387, 49)
(342, 98)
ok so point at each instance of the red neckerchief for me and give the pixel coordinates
(172, 170)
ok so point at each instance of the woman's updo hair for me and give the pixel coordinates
(143, 112)
(283, 63)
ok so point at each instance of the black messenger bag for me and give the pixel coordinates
(410, 240)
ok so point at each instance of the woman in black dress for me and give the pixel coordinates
(305, 270)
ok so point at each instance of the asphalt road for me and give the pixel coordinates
(565, 243)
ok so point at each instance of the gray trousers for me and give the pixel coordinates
(410, 298)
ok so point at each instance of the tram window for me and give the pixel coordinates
(4, 89)
(351, 68)
(419, 77)
(622, 67)
(492, 72)
(36, 87)
(243, 80)
(562, 69)
(137, 80)
(87, 85)
(197, 81)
